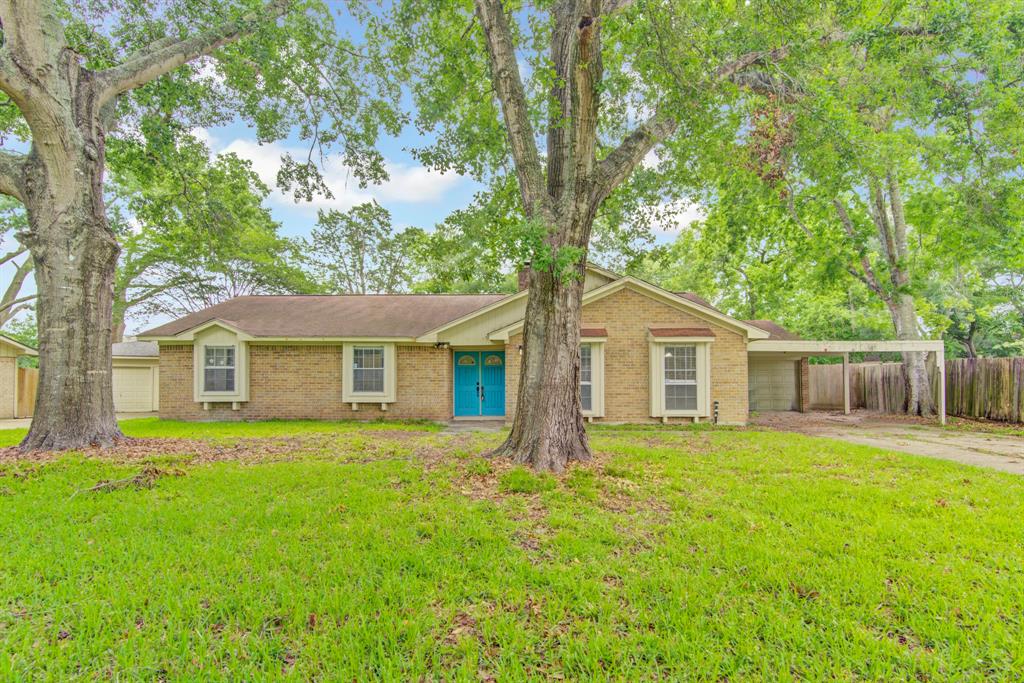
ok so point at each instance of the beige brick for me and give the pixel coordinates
(304, 382)
(627, 315)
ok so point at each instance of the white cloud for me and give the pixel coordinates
(679, 215)
(407, 184)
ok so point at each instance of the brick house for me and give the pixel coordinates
(647, 354)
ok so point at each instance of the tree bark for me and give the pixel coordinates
(75, 255)
(892, 232)
(547, 430)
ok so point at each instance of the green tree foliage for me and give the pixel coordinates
(193, 230)
(358, 252)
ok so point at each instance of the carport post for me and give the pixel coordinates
(846, 383)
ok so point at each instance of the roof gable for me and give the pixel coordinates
(684, 303)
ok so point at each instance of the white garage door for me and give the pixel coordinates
(772, 384)
(133, 390)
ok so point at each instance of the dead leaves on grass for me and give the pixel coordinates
(355, 447)
(144, 479)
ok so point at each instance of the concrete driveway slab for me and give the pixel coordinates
(1003, 452)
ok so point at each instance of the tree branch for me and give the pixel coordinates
(15, 302)
(12, 168)
(617, 166)
(13, 254)
(165, 55)
(869, 278)
(509, 86)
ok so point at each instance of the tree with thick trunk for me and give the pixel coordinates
(563, 193)
(71, 88)
(887, 214)
(70, 110)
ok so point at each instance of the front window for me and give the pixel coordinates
(586, 378)
(680, 377)
(219, 368)
(368, 369)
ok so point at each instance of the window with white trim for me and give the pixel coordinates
(586, 378)
(368, 369)
(680, 374)
(219, 368)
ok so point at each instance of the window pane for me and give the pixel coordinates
(368, 380)
(681, 397)
(586, 400)
(372, 357)
(368, 369)
(220, 357)
(586, 377)
(219, 379)
(680, 363)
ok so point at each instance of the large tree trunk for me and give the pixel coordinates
(547, 430)
(916, 383)
(75, 255)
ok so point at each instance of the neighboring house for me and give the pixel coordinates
(136, 376)
(646, 354)
(10, 350)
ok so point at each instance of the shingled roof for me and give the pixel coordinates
(355, 315)
(776, 330)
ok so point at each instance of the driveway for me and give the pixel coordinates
(996, 451)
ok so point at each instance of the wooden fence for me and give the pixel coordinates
(991, 388)
(28, 382)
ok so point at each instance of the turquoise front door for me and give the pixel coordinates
(479, 383)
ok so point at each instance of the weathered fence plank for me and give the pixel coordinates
(990, 388)
(28, 382)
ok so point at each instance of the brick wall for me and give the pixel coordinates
(304, 382)
(627, 315)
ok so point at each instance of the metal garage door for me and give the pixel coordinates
(133, 390)
(772, 384)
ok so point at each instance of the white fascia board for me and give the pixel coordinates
(866, 346)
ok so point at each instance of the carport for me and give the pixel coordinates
(768, 358)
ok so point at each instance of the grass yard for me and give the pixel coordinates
(353, 552)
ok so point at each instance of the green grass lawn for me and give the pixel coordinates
(355, 552)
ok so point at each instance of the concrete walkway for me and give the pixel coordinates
(995, 451)
(463, 426)
(25, 422)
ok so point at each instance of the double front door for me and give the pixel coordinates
(479, 383)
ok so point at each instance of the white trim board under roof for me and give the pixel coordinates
(25, 349)
(813, 348)
(680, 302)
